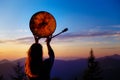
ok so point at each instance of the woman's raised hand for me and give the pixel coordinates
(36, 39)
(48, 40)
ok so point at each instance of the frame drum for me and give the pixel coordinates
(42, 24)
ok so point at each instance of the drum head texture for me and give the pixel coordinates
(42, 24)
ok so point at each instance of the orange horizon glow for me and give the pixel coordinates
(62, 50)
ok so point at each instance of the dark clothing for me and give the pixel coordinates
(35, 67)
(44, 71)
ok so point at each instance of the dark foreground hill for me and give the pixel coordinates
(68, 70)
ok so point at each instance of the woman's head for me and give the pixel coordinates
(35, 51)
(34, 59)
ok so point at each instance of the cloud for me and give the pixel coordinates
(69, 36)
(25, 40)
(90, 34)
(111, 48)
(116, 26)
(22, 30)
(5, 41)
(19, 40)
(1, 41)
(117, 38)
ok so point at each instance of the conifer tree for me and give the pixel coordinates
(20, 75)
(56, 78)
(93, 72)
(76, 78)
(1, 77)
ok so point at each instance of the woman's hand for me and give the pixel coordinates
(36, 39)
(48, 40)
(50, 50)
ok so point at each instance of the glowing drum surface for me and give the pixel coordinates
(42, 24)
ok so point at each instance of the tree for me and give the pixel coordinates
(1, 77)
(76, 78)
(56, 78)
(20, 75)
(93, 72)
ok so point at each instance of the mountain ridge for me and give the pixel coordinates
(69, 69)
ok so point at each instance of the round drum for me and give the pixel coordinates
(42, 24)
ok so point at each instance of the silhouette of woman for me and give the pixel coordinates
(35, 67)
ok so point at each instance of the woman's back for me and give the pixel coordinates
(35, 67)
(41, 71)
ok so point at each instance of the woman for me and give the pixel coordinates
(35, 67)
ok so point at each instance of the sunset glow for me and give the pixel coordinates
(91, 24)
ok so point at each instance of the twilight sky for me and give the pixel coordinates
(91, 23)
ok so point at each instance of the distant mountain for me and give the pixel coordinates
(4, 61)
(115, 56)
(21, 61)
(111, 67)
(69, 69)
(6, 69)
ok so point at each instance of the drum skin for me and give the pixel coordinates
(42, 24)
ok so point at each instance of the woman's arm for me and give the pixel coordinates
(50, 50)
(36, 39)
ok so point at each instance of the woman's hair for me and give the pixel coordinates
(34, 60)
